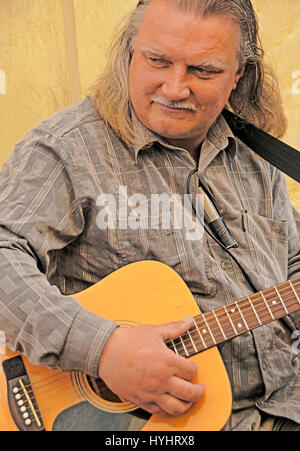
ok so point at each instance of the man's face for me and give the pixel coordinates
(182, 72)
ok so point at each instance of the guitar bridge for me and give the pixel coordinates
(20, 395)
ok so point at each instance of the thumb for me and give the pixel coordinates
(174, 329)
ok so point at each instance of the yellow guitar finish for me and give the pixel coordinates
(145, 292)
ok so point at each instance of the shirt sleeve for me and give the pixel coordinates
(41, 214)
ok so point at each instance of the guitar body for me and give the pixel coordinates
(145, 292)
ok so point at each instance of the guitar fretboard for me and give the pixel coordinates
(229, 321)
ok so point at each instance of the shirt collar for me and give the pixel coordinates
(144, 138)
(219, 135)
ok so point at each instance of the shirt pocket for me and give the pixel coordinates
(265, 240)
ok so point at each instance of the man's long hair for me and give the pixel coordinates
(256, 99)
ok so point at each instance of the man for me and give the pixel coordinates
(171, 72)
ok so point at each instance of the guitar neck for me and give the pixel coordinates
(231, 320)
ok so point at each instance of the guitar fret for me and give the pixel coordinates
(182, 342)
(205, 332)
(247, 313)
(219, 324)
(225, 324)
(265, 301)
(175, 349)
(254, 310)
(192, 341)
(290, 295)
(280, 298)
(294, 291)
(276, 304)
(199, 333)
(242, 316)
(209, 330)
(235, 331)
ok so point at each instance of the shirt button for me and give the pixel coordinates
(223, 265)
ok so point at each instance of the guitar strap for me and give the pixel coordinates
(279, 154)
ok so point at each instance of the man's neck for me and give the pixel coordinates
(195, 154)
(192, 146)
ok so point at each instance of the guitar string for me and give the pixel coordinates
(43, 410)
(241, 314)
(61, 396)
(228, 330)
(44, 395)
(57, 380)
(224, 313)
(57, 383)
(256, 301)
(188, 343)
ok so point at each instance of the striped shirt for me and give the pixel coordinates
(53, 244)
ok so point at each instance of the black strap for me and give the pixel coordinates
(279, 154)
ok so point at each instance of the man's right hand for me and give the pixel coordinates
(138, 366)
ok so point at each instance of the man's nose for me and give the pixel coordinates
(175, 86)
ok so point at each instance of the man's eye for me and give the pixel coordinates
(157, 60)
(201, 71)
(204, 73)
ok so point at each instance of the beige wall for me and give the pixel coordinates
(280, 32)
(52, 50)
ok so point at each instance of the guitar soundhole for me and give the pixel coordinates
(101, 389)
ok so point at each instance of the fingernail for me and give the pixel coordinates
(188, 319)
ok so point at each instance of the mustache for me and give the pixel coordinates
(179, 104)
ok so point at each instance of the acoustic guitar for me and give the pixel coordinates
(149, 292)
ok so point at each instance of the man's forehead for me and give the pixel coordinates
(165, 9)
(166, 27)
